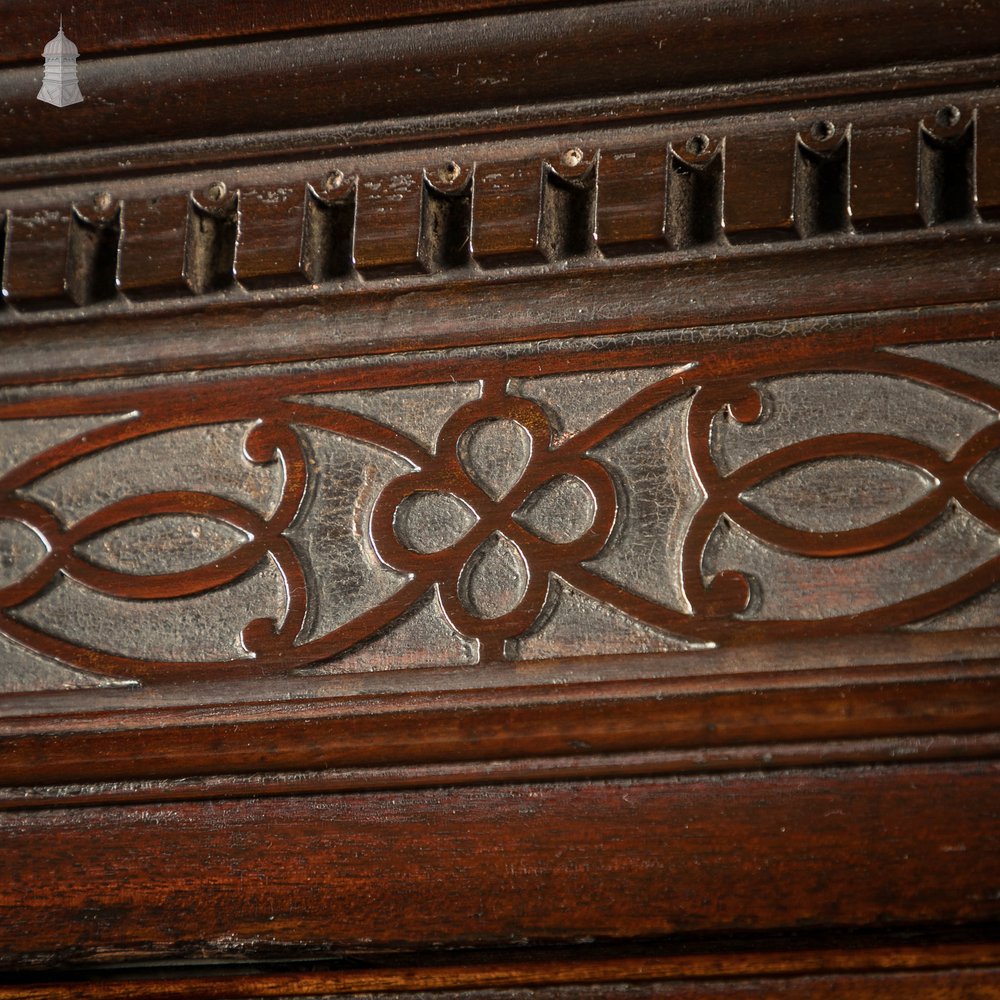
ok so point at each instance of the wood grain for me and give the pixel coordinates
(907, 965)
(113, 27)
(497, 866)
(838, 275)
(421, 69)
(796, 814)
(757, 164)
(513, 725)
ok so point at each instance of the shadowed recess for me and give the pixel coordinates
(822, 185)
(947, 173)
(92, 258)
(568, 215)
(445, 225)
(328, 235)
(694, 197)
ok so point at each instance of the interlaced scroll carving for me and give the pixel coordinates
(525, 496)
(950, 492)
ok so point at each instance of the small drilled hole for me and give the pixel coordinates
(216, 191)
(573, 157)
(823, 130)
(333, 180)
(697, 144)
(948, 116)
(450, 172)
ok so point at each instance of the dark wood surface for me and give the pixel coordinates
(432, 730)
(116, 28)
(750, 243)
(523, 864)
(474, 64)
(911, 964)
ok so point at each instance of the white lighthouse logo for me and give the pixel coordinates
(59, 82)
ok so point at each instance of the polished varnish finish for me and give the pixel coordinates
(489, 866)
(758, 967)
(502, 500)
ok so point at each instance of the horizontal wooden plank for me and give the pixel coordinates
(605, 122)
(926, 964)
(841, 275)
(492, 866)
(954, 984)
(121, 27)
(575, 767)
(418, 728)
(522, 57)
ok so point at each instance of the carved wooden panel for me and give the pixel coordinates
(503, 505)
(496, 475)
(263, 233)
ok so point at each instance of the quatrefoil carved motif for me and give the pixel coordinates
(493, 515)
